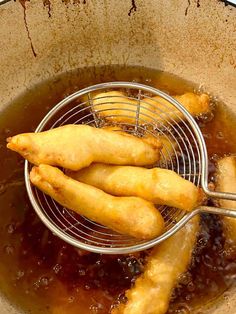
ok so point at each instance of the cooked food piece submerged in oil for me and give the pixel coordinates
(226, 182)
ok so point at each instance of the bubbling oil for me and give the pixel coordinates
(42, 274)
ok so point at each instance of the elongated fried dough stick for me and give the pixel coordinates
(195, 104)
(169, 149)
(128, 215)
(160, 186)
(77, 146)
(124, 109)
(152, 290)
(169, 146)
(226, 182)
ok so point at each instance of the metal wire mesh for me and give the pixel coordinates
(140, 114)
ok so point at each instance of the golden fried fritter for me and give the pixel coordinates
(116, 107)
(226, 182)
(152, 290)
(169, 145)
(160, 186)
(127, 215)
(77, 146)
(169, 149)
(195, 104)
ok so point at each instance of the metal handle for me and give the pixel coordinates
(218, 210)
(204, 178)
(222, 195)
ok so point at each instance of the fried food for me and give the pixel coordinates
(195, 104)
(226, 182)
(77, 146)
(115, 106)
(160, 186)
(127, 215)
(169, 148)
(152, 290)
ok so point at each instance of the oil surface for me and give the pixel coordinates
(41, 273)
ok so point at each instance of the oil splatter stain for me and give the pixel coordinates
(133, 8)
(186, 10)
(73, 2)
(47, 4)
(23, 3)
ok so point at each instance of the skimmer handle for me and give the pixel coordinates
(218, 210)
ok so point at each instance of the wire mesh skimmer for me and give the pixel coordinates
(184, 152)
